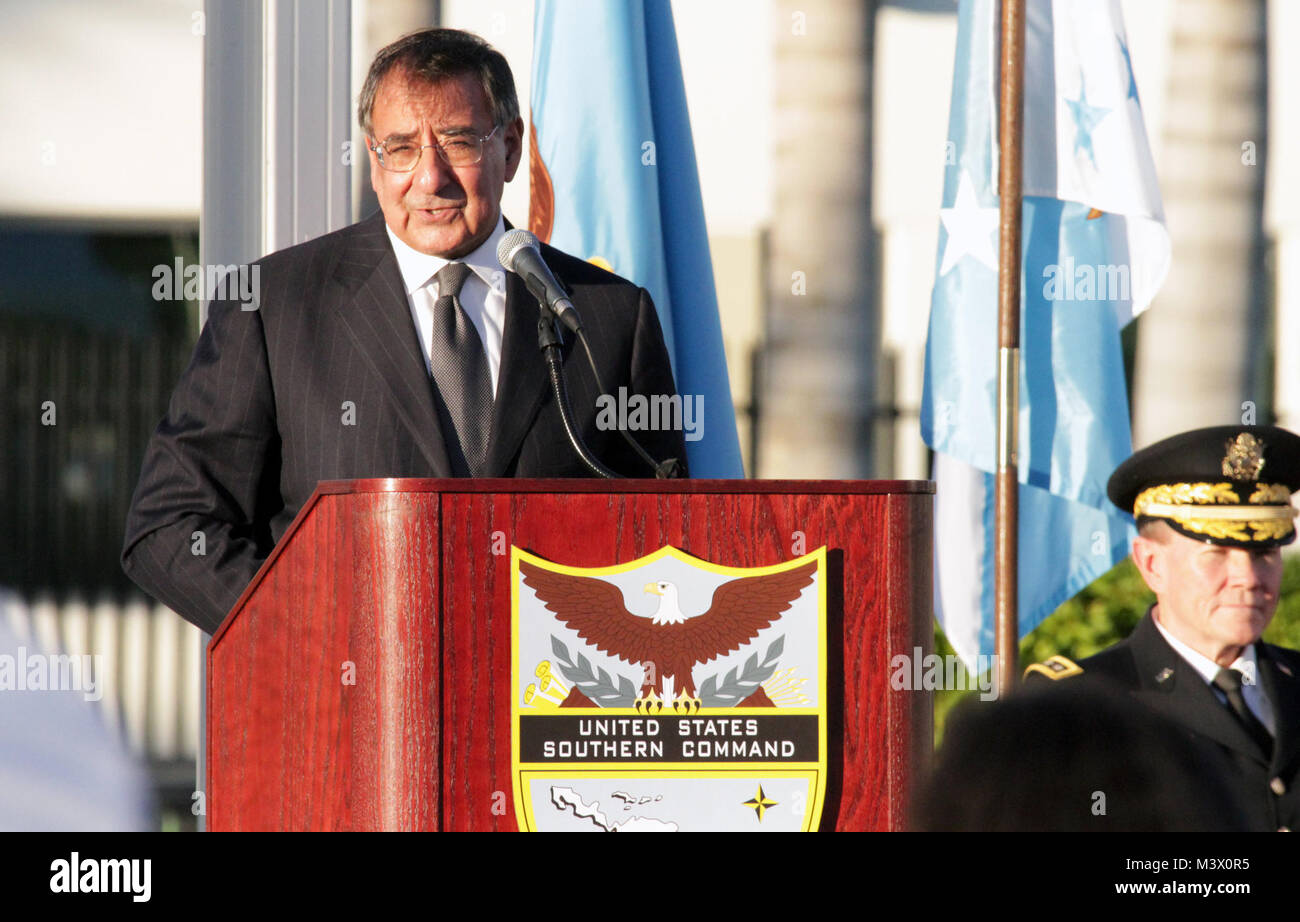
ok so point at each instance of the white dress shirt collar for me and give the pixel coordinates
(1205, 667)
(483, 296)
(418, 269)
(1246, 663)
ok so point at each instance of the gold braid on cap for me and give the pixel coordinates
(1214, 510)
(1271, 493)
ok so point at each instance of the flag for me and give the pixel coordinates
(613, 180)
(1094, 251)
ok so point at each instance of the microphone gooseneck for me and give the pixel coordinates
(520, 253)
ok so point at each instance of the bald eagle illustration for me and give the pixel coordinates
(667, 645)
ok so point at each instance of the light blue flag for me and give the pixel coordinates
(1094, 250)
(612, 131)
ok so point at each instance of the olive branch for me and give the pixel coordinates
(596, 684)
(736, 688)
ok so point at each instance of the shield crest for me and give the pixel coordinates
(668, 694)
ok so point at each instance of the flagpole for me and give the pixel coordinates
(1006, 497)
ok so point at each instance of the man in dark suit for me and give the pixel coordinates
(1213, 508)
(397, 347)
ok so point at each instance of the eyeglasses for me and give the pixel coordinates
(403, 156)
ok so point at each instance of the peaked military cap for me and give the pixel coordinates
(1228, 485)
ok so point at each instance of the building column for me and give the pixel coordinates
(819, 364)
(1203, 345)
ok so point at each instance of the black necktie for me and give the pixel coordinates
(1228, 681)
(460, 370)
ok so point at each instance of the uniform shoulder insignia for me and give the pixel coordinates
(1055, 667)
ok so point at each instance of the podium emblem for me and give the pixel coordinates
(668, 694)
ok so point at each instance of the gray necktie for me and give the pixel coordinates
(460, 369)
(1228, 681)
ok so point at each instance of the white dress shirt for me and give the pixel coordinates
(483, 295)
(1246, 664)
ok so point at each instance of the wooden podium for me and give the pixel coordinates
(362, 680)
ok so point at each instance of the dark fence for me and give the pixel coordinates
(88, 360)
(76, 411)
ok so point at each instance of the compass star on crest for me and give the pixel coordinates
(760, 803)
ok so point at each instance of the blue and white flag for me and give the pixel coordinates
(1095, 251)
(614, 181)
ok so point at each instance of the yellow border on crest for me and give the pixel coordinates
(815, 772)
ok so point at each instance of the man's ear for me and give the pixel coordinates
(374, 162)
(514, 138)
(1148, 555)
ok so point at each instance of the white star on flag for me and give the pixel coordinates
(970, 228)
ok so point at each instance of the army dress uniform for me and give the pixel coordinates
(1229, 486)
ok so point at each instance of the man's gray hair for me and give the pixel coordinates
(431, 55)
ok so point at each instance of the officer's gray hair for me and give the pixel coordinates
(1154, 529)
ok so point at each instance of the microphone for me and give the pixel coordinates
(518, 252)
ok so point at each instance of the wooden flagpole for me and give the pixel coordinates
(1010, 133)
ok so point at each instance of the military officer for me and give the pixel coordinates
(1213, 510)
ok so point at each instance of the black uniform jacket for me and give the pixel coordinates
(1149, 669)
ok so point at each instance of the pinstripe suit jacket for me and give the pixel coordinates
(262, 412)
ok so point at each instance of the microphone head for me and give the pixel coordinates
(511, 243)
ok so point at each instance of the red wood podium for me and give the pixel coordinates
(341, 697)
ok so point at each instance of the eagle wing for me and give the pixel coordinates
(741, 608)
(595, 609)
